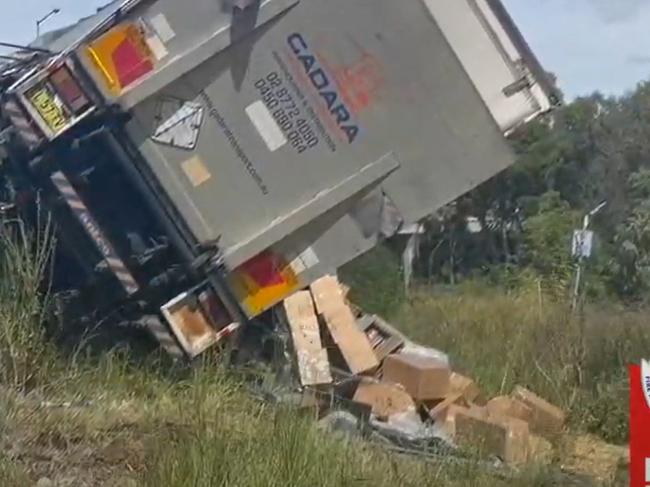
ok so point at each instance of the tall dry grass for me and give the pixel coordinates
(24, 260)
(526, 337)
(198, 426)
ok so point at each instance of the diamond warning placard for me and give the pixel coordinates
(178, 123)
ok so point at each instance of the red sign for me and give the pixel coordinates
(639, 426)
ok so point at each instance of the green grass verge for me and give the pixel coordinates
(109, 422)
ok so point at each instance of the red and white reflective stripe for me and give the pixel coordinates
(81, 212)
(163, 335)
(22, 124)
(227, 331)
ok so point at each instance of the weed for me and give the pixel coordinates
(24, 259)
(11, 474)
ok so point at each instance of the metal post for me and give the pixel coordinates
(52, 12)
(576, 289)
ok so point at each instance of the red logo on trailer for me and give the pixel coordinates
(360, 83)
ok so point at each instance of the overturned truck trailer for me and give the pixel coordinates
(205, 159)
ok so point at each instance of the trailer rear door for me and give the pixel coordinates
(323, 102)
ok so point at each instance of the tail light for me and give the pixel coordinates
(69, 90)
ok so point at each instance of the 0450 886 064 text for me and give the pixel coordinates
(286, 112)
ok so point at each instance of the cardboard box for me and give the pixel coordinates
(504, 406)
(465, 386)
(341, 324)
(478, 433)
(437, 410)
(423, 378)
(547, 420)
(506, 438)
(517, 440)
(328, 295)
(450, 416)
(449, 419)
(385, 399)
(311, 358)
(383, 338)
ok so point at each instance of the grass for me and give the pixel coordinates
(522, 334)
(375, 280)
(148, 429)
(24, 258)
(88, 422)
(11, 474)
(507, 339)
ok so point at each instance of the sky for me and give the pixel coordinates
(589, 45)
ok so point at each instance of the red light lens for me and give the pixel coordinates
(69, 90)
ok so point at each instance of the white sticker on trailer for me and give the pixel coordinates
(157, 47)
(160, 24)
(266, 125)
(309, 257)
(306, 260)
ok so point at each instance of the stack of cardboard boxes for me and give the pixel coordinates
(394, 379)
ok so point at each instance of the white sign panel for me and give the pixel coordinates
(582, 245)
(266, 125)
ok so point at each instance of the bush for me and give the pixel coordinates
(547, 239)
(376, 281)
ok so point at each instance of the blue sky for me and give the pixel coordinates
(589, 44)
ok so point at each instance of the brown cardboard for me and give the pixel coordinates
(547, 420)
(450, 416)
(465, 386)
(517, 440)
(352, 343)
(473, 431)
(345, 290)
(450, 419)
(327, 294)
(385, 399)
(423, 378)
(479, 410)
(506, 438)
(383, 338)
(341, 324)
(504, 406)
(438, 409)
(311, 358)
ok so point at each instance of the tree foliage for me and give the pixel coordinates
(591, 150)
